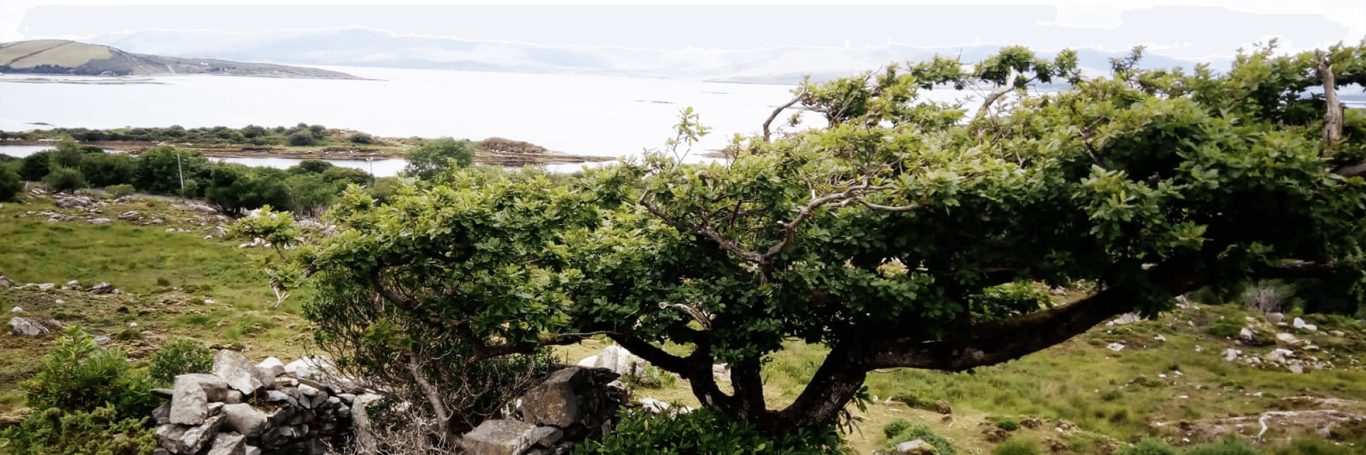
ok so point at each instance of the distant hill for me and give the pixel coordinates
(359, 46)
(73, 58)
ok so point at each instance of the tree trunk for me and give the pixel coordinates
(836, 383)
(1332, 118)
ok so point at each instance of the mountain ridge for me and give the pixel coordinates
(81, 59)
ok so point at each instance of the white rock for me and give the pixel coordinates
(1115, 347)
(588, 362)
(1297, 369)
(59, 301)
(1231, 354)
(1126, 318)
(16, 310)
(236, 370)
(1160, 338)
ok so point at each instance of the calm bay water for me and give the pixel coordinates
(586, 115)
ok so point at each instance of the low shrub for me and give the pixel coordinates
(181, 356)
(80, 376)
(703, 431)
(11, 185)
(98, 431)
(300, 138)
(361, 139)
(64, 179)
(120, 190)
(1311, 446)
(902, 430)
(1148, 446)
(1018, 446)
(1225, 447)
(1226, 328)
(1007, 424)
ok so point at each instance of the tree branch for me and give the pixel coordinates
(1332, 117)
(991, 99)
(800, 96)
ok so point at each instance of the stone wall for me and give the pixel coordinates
(573, 405)
(253, 409)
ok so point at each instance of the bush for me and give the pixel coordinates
(182, 356)
(1007, 424)
(1148, 446)
(361, 139)
(432, 157)
(300, 138)
(702, 431)
(36, 166)
(99, 431)
(104, 169)
(1226, 328)
(1018, 446)
(80, 376)
(902, 430)
(64, 179)
(120, 190)
(1226, 447)
(11, 185)
(1311, 446)
(160, 169)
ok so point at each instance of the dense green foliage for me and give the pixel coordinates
(105, 169)
(704, 431)
(1018, 446)
(36, 166)
(11, 185)
(99, 431)
(250, 134)
(180, 356)
(161, 169)
(80, 376)
(901, 235)
(235, 188)
(1148, 446)
(1225, 447)
(435, 156)
(64, 179)
(902, 430)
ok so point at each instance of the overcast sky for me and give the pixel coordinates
(1182, 29)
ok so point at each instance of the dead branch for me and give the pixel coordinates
(1332, 118)
(800, 96)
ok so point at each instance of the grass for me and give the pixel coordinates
(166, 278)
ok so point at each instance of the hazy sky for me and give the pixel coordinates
(1183, 29)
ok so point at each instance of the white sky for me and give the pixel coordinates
(1076, 23)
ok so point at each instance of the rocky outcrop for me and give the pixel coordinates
(287, 415)
(33, 326)
(573, 404)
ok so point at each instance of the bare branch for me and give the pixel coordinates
(800, 96)
(1332, 118)
(996, 95)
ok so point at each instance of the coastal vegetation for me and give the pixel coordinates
(906, 261)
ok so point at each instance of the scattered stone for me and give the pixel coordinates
(129, 215)
(236, 370)
(1297, 368)
(46, 286)
(653, 406)
(1115, 347)
(619, 360)
(5, 282)
(943, 407)
(1232, 354)
(157, 222)
(499, 437)
(1275, 317)
(16, 310)
(1126, 318)
(33, 326)
(1337, 333)
(1301, 325)
(58, 301)
(102, 288)
(98, 221)
(916, 447)
(1159, 337)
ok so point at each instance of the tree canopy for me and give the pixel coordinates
(901, 235)
(432, 157)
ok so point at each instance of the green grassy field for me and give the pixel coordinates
(178, 284)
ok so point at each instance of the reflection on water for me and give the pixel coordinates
(378, 168)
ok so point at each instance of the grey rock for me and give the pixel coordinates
(308, 390)
(1274, 317)
(168, 437)
(163, 393)
(619, 360)
(916, 447)
(265, 376)
(16, 310)
(1278, 355)
(499, 437)
(46, 286)
(360, 420)
(162, 414)
(555, 401)
(346, 398)
(215, 409)
(244, 419)
(233, 397)
(1126, 318)
(236, 370)
(1297, 368)
(1231, 354)
(129, 215)
(102, 288)
(5, 282)
(546, 436)
(98, 221)
(229, 444)
(309, 367)
(252, 450)
(275, 396)
(191, 397)
(196, 438)
(33, 326)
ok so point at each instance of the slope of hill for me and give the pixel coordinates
(73, 58)
(359, 46)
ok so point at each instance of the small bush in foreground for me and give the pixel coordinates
(81, 376)
(56, 432)
(1313, 446)
(1148, 446)
(120, 190)
(182, 356)
(1018, 446)
(702, 431)
(64, 179)
(902, 430)
(10, 184)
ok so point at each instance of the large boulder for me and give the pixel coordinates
(244, 419)
(555, 401)
(237, 371)
(192, 395)
(229, 444)
(33, 326)
(916, 447)
(499, 437)
(619, 360)
(309, 367)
